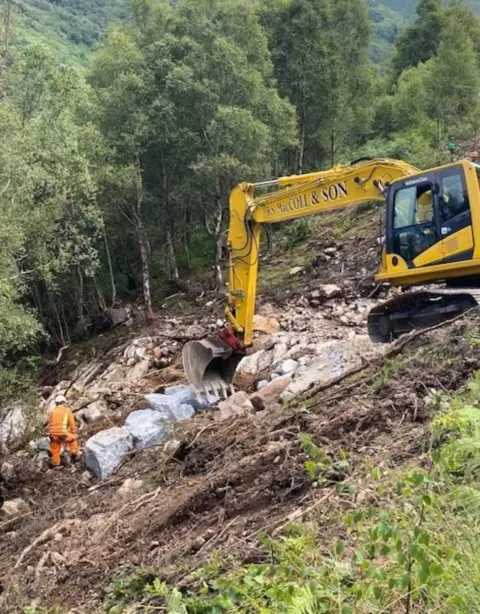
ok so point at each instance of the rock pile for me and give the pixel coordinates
(143, 429)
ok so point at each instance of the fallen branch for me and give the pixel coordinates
(216, 538)
(46, 535)
(297, 514)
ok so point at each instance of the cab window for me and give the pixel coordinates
(413, 205)
(453, 199)
(413, 221)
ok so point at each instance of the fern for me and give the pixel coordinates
(303, 602)
(175, 603)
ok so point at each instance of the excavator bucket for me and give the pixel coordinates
(210, 366)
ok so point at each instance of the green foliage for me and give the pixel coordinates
(14, 385)
(296, 233)
(319, 50)
(419, 42)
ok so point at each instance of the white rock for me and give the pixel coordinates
(15, 507)
(287, 366)
(93, 412)
(7, 471)
(85, 478)
(259, 361)
(330, 291)
(295, 270)
(43, 444)
(129, 486)
(12, 425)
(261, 384)
(279, 352)
(335, 358)
(105, 450)
(172, 446)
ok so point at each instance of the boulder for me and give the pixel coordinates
(267, 325)
(261, 384)
(279, 352)
(185, 395)
(15, 507)
(287, 366)
(330, 291)
(183, 412)
(147, 427)
(259, 361)
(12, 425)
(335, 358)
(93, 412)
(117, 316)
(271, 393)
(105, 450)
(162, 403)
(235, 405)
(169, 407)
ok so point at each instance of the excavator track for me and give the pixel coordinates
(417, 310)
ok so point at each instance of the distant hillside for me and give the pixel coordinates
(407, 7)
(388, 24)
(69, 27)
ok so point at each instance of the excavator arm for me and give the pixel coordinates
(210, 364)
(292, 198)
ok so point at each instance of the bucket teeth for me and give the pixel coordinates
(210, 367)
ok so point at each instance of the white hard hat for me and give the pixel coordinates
(60, 399)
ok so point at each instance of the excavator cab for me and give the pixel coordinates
(430, 237)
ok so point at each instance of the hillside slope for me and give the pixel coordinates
(68, 27)
(407, 7)
(71, 27)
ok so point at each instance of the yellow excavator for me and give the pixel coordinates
(432, 236)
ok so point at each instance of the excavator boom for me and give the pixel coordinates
(431, 219)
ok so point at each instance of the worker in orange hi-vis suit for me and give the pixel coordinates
(62, 431)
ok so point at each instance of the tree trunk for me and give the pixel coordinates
(218, 245)
(301, 147)
(101, 298)
(145, 257)
(172, 261)
(110, 268)
(143, 243)
(332, 148)
(81, 302)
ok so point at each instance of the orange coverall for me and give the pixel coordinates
(63, 431)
